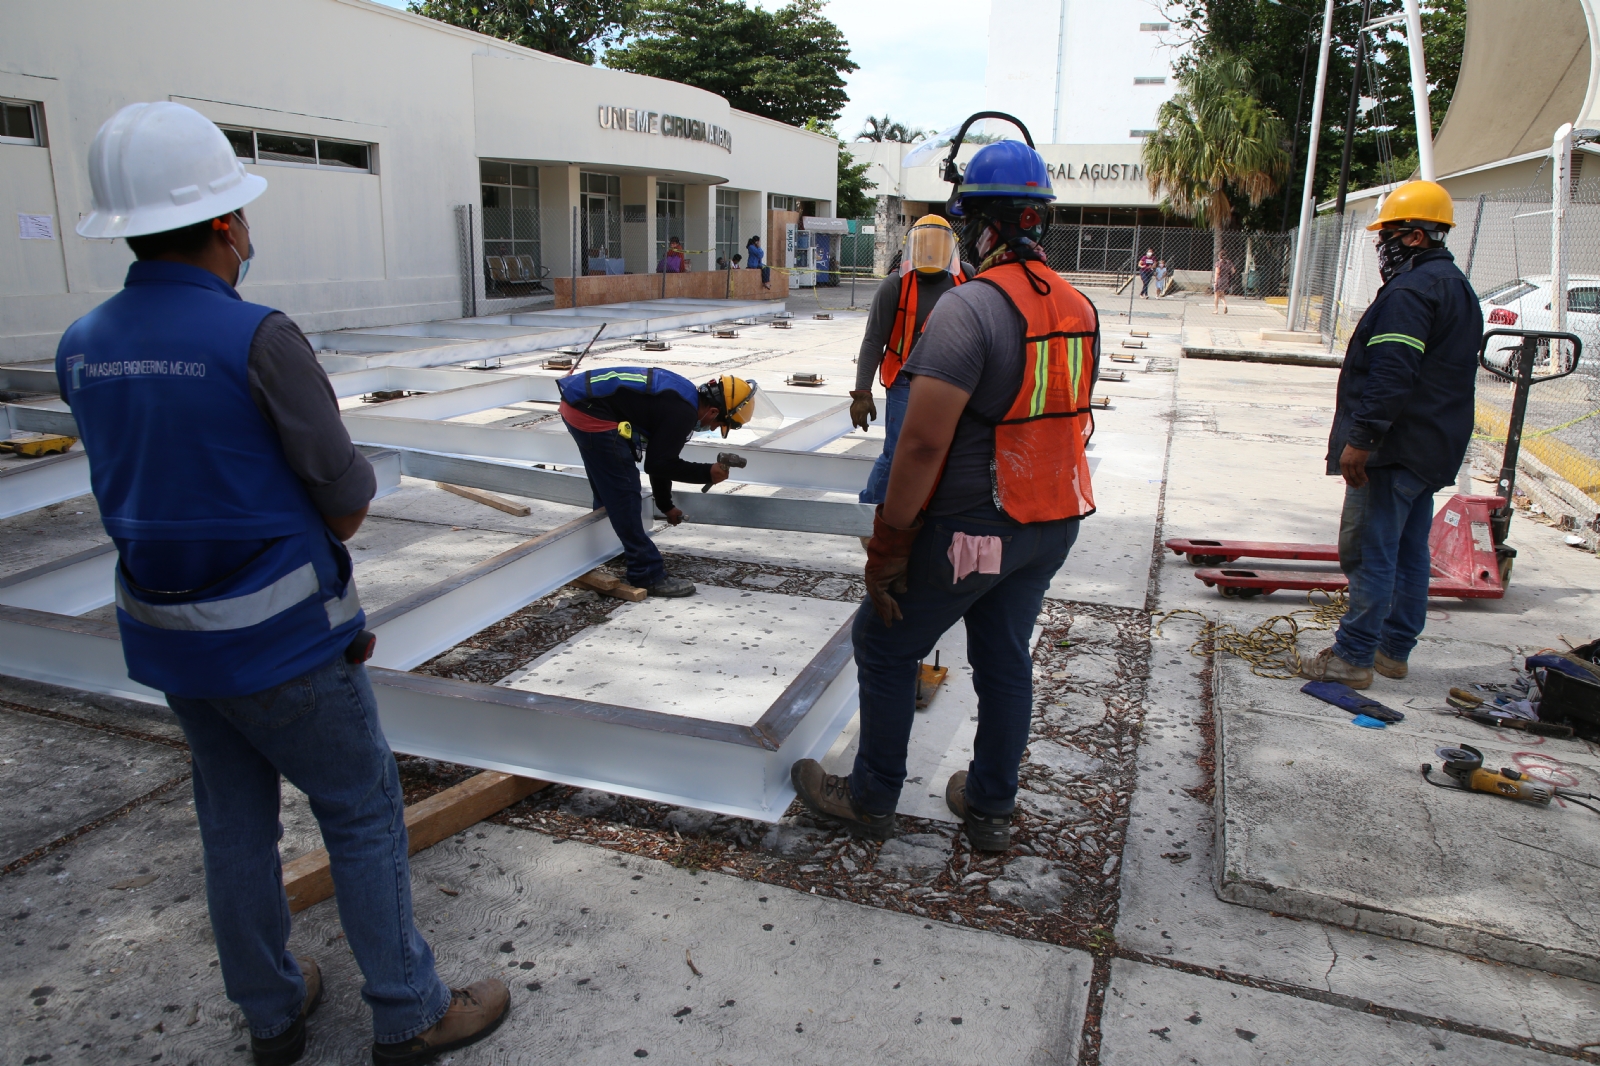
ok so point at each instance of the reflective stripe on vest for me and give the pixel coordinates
(241, 612)
(902, 334)
(1041, 465)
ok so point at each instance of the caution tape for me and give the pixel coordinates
(1272, 648)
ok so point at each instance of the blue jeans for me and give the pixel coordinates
(999, 610)
(320, 731)
(894, 416)
(608, 460)
(1383, 550)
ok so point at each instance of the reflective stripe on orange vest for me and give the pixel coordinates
(1041, 465)
(902, 335)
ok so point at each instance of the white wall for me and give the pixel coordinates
(1066, 67)
(338, 249)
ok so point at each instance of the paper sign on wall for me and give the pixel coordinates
(36, 227)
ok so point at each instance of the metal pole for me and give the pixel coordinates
(1472, 247)
(1561, 193)
(574, 256)
(1299, 107)
(1350, 110)
(1419, 90)
(1308, 195)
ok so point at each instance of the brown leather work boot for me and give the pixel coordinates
(475, 1012)
(1395, 669)
(829, 794)
(289, 1045)
(1327, 666)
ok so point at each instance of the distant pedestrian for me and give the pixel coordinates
(1163, 278)
(1222, 276)
(1147, 269)
(675, 261)
(757, 260)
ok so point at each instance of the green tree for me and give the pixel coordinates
(887, 129)
(1215, 142)
(1279, 39)
(571, 29)
(787, 65)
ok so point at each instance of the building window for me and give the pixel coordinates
(600, 213)
(1149, 81)
(1154, 27)
(728, 243)
(780, 203)
(19, 123)
(670, 215)
(297, 150)
(1141, 133)
(512, 262)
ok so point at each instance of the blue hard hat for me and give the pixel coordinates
(1008, 169)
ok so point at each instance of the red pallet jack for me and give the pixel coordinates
(1470, 556)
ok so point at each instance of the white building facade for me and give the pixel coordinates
(377, 131)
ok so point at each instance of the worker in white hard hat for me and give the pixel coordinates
(928, 267)
(228, 483)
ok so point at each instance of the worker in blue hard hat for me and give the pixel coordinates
(930, 266)
(985, 493)
(228, 483)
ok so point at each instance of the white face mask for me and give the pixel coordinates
(244, 262)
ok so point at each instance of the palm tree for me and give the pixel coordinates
(1215, 140)
(886, 129)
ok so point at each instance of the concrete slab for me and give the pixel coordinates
(37, 537)
(418, 555)
(596, 947)
(1168, 906)
(56, 776)
(1325, 820)
(721, 655)
(1157, 1016)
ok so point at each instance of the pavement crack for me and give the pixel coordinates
(89, 827)
(1328, 936)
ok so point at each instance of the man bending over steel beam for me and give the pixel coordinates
(228, 483)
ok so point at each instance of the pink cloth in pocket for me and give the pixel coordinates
(974, 553)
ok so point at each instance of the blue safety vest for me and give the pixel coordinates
(157, 377)
(579, 389)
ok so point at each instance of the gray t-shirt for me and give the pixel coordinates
(973, 340)
(880, 319)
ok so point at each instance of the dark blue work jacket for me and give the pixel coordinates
(228, 580)
(1405, 392)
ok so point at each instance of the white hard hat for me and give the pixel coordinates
(162, 166)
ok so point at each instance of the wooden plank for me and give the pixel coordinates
(308, 879)
(602, 582)
(489, 499)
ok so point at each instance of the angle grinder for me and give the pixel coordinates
(1465, 766)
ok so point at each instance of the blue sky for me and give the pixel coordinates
(922, 61)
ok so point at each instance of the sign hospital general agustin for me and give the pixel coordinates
(635, 121)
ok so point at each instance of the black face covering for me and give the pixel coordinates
(1394, 254)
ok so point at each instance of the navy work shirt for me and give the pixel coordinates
(1406, 389)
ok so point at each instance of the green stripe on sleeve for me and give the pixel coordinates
(1398, 338)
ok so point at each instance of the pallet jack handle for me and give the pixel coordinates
(1521, 376)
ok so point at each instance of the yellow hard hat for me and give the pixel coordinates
(931, 245)
(736, 407)
(1417, 201)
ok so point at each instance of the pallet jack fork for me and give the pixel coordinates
(1470, 556)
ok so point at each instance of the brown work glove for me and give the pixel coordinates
(862, 408)
(888, 559)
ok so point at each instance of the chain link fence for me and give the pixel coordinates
(1502, 242)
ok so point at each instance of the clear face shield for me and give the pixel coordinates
(763, 415)
(930, 249)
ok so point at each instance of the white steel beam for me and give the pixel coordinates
(73, 585)
(40, 482)
(809, 434)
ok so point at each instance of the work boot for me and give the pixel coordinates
(1395, 669)
(670, 586)
(829, 794)
(1327, 666)
(475, 1012)
(985, 832)
(290, 1044)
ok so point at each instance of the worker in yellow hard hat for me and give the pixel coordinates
(618, 415)
(928, 267)
(1401, 426)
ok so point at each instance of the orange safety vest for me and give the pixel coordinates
(1041, 466)
(902, 333)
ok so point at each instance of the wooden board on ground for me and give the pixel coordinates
(499, 503)
(602, 582)
(308, 880)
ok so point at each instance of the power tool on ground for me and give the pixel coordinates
(1465, 765)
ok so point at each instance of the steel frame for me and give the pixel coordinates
(731, 769)
(35, 483)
